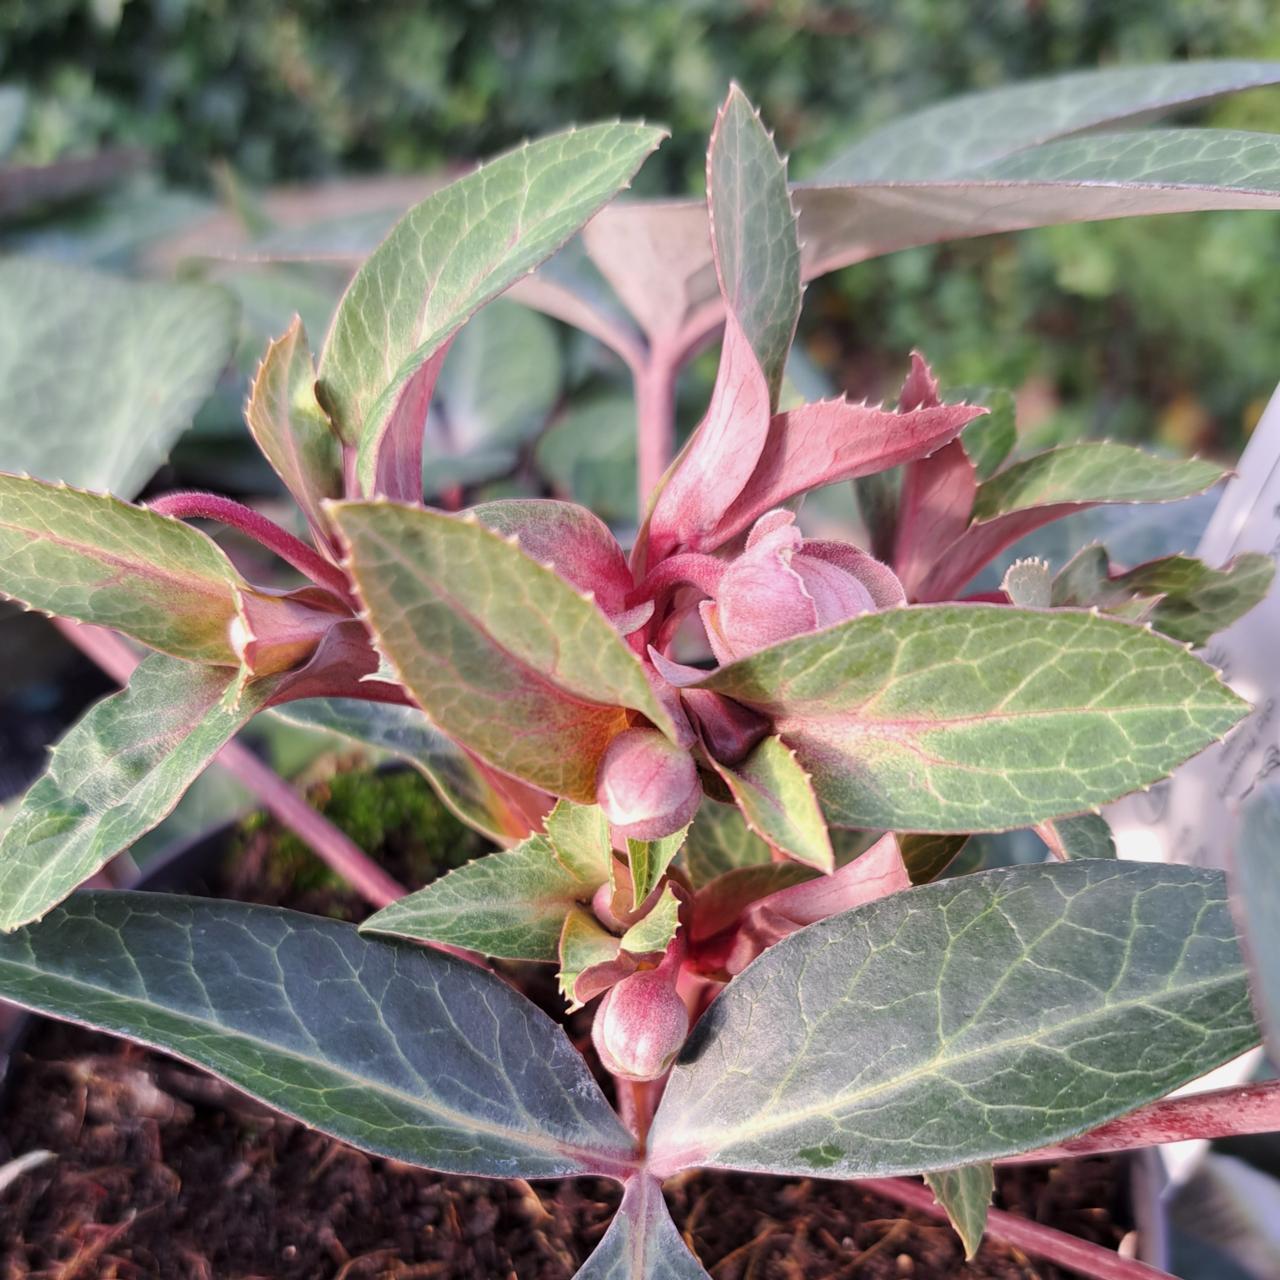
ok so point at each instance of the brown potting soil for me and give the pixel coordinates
(161, 1171)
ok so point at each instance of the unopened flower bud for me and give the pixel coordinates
(783, 585)
(647, 785)
(640, 1025)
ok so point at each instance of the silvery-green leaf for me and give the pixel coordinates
(400, 1050)
(961, 1021)
(1256, 900)
(99, 376)
(642, 1242)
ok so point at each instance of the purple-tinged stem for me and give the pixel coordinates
(655, 383)
(1217, 1113)
(1031, 1237)
(187, 505)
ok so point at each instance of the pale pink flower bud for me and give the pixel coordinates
(640, 1025)
(647, 785)
(783, 585)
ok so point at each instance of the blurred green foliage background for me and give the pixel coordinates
(1163, 328)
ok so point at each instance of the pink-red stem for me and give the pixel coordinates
(655, 385)
(1031, 1237)
(1218, 1113)
(187, 505)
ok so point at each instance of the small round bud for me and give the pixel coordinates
(647, 785)
(640, 1026)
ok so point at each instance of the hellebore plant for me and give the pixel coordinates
(728, 766)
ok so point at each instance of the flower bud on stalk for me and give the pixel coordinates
(647, 785)
(642, 1022)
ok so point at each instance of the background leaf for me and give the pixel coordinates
(642, 1242)
(399, 1050)
(1255, 867)
(980, 717)
(1028, 1004)
(101, 375)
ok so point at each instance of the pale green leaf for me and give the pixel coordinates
(754, 229)
(649, 860)
(510, 904)
(91, 557)
(642, 1242)
(1096, 472)
(980, 717)
(1028, 584)
(720, 841)
(454, 252)
(579, 833)
(291, 429)
(655, 931)
(407, 733)
(115, 775)
(956, 136)
(399, 1050)
(777, 801)
(1024, 1005)
(584, 942)
(965, 1194)
(503, 654)
(99, 376)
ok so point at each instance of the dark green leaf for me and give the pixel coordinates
(399, 1050)
(960, 1022)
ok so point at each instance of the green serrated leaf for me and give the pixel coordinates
(584, 942)
(649, 860)
(291, 429)
(1096, 472)
(965, 1194)
(399, 1050)
(926, 857)
(980, 717)
(777, 800)
(655, 931)
(510, 904)
(454, 252)
(1028, 1004)
(96, 559)
(1179, 595)
(754, 228)
(642, 1242)
(1028, 584)
(720, 841)
(1255, 867)
(407, 733)
(579, 834)
(115, 775)
(959, 135)
(154, 351)
(505, 656)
